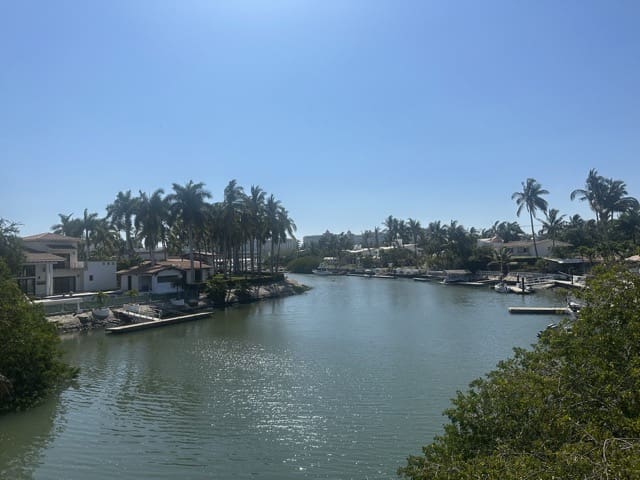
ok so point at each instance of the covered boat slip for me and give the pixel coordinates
(152, 322)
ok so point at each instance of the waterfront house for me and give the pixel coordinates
(523, 248)
(162, 277)
(51, 267)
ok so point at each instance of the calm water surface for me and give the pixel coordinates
(344, 381)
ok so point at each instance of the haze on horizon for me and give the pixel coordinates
(346, 111)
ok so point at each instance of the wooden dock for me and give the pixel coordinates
(152, 322)
(541, 310)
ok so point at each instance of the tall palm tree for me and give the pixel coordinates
(89, 223)
(255, 205)
(416, 229)
(232, 206)
(594, 193)
(531, 198)
(393, 227)
(151, 217)
(553, 224)
(121, 213)
(616, 199)
(286, 227)
(187, 204)
(272, 208)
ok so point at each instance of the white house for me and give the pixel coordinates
(163, 277)
(52, 267)
(523, 248)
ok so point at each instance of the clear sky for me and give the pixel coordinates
(347, 111)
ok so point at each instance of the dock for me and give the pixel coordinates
(152, 322)
(541, 310)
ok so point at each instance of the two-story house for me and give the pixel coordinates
(52, 267)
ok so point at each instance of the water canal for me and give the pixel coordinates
(342, 382)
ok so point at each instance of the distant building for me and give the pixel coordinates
(51, 267)
(523, 248)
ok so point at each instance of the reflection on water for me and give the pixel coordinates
(342, 382)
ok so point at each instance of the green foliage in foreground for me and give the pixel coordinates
(30, 365)
(569, 408)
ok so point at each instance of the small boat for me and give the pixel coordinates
(501, 288)
(322, 270)
(101, 313)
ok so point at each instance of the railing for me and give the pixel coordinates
(81, 303)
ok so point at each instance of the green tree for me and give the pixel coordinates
(121, 214)
(553, 224)
(89, 222)
(530, 198)
(151, 215)
(569, 408)
(30, 365)
(68, 226)
(11, 246)
(255, 206)
(188, 205)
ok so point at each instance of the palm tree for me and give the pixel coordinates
(416, 229)
(232, 206)
(595, 193)
(502, 256)
(553, 224)
(393, 227)
(89, 222)
(255, 207)
(151, 216)
(531, 198)
(121, 213)
(616, 199)
(286, 226)
(188, 205)
(105, 238)
(376, 236)
(68, 226)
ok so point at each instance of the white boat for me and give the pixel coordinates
(101, 313)
(501, 287)
(322, 270)
(326, 267)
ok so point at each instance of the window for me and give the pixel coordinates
(91, 278)
(29, 271)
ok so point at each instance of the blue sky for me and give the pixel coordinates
(347, 111)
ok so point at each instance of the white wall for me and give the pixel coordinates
(160, 287)
(100, 275)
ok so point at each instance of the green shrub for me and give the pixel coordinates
(304, 264)
(30, 364)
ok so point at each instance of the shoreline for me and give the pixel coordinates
(86, 321)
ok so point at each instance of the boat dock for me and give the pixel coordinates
(153, 322)
(541, 310)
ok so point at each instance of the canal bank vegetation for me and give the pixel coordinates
(30, 355)
(568, 408)
(613, 234)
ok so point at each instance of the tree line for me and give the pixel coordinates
(614, 232)
(233, 230)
